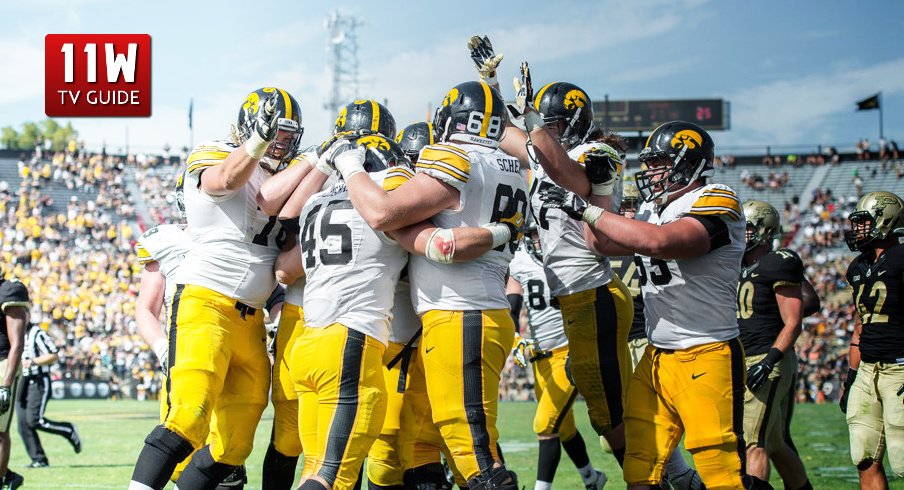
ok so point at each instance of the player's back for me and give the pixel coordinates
(351, 270)
(878, 293)
(759, 318)
(544, 319)
(492, 187)
(167, 245)
(235, 243)
(691, 302)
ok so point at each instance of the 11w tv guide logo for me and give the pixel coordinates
(100, 75)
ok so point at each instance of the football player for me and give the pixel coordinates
(689, 237)
(14, 304)
(595, 304)
(351, 273)
(770, 304)
(872, 392)
(679, 475)
(414, 137)
(463, 180)
(218, 363)
(546, 347)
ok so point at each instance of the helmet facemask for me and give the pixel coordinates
(863, 231)
(663, 175)
(531, 242)
(283, 149)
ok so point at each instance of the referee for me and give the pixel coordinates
(34, 392)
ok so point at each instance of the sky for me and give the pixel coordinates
(791, 70)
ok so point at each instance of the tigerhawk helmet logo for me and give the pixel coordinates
(251, 103)
(574, 99)
(374, 143)
(687, 137)
(340, 119)
(450, 97)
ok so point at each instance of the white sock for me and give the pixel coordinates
(542, 485)
(676, 465)
(588, 474)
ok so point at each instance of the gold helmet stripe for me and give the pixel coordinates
(540, 95)
(430, 131)
(288, 102)
(488, 108)
(375, 120)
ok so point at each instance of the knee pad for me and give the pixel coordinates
(427, 477)
(753, 483)
(497, 478)
(169, 442)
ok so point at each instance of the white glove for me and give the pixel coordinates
(485, 58)
(519, 352)
(266, 126)
(524, 95)
(350, 162)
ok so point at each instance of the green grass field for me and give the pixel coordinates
(113, 433)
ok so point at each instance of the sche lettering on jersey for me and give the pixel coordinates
(879, 297)
(759, 318)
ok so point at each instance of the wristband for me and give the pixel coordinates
(774, 356)
(256, 146)
(604, 189)
(501, 233)
(441, 246)
(161, 349)
(592, 214)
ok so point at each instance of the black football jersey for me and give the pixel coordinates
(627, 271)
(879, 297)
(758, 316)
(12, 293)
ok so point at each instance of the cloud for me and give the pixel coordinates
(787, 110)
(23, 64)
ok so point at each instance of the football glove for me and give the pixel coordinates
(485, 59)
(266, 125)
(575, 207)
(519, 352)
(602, 169)
(515, 224)
(524, 94)
(846, 389)
(348, 160)
(759, 372)
(5, 399)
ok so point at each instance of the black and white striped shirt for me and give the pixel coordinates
(37, 344)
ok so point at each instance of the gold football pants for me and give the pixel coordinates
(218, 364)
(464, 353)
(339, 370)
(597, 322)
(700, 391)
(286, 438)
(555, 395)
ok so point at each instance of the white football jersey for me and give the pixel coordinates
(405, 322)
(491, 186)
(295, 292)
(236, 243)
(166, 245)
(571, 267)
(691, 302)
(544, 321)
(352, 271)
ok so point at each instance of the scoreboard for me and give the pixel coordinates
(645, 115)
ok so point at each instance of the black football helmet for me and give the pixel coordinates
(382, 153)
(365, 114)
(414, 137)
(566, 110)
(180, 195)
(676, 154)
(531, 240)
(278, 154)
(471, 112)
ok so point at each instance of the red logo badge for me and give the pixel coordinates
(100, 75)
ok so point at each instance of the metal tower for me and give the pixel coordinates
(342, 49)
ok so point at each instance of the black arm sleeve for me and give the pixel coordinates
(515, 301)
(717, 229)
